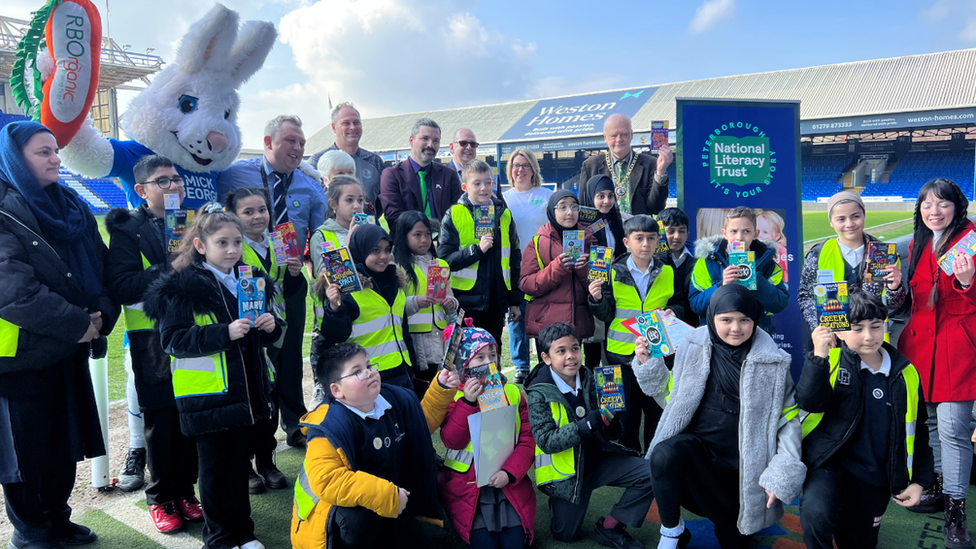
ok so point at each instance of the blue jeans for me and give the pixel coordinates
(518, 343)
(952, 448)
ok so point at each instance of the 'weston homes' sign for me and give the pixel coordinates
(576, 115)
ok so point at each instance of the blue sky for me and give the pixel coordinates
(394, 56)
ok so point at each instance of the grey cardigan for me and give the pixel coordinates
(769, 426)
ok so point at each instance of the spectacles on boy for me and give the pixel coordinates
(165, 182)
(363, 374)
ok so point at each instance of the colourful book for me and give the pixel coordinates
(492, 389)
(363, 219)
(177, 220)
(677, 329)
(653, 329)
(290, 238)
(457, 332)
(573, 243)
(339, 269)
(250, 294)
(610, 388)
(966, 246)
(278, 247)
(878, 257)
(601, 258)
(438, 278)
(589, 220)
(484, 220)
(746, 261)
(659, 134)
(662, 245)
(833, 309)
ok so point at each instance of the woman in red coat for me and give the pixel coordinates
(940, 340)
(558, 289)
(500, 515)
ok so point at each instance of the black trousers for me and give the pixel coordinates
(291, 364)
(491, 320)
(358, 527)
(638, 404)
(592, 355)
(171, 457)
(605, 469)
(261, 440)
(224, 466)
(839, 507)
(38, 506)
(683, 476)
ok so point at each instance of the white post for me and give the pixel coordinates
(99, 376)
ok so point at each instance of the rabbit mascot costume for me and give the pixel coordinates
(187, 114)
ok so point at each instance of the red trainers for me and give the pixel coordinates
(166, 517)
(190, 509)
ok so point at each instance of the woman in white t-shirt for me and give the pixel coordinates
(527, 200)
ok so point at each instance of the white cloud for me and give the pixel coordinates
(938, 11)
(710, 13)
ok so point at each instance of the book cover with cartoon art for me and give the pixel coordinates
(878, 257)
(966, 246)
(492, 390)
(601, 258)
(652, 328)
(363, 219)
(746, 261)
(484, 220)
(438, 277)
(250, 294)
(339, 269)
(177, 220)
(659, 134)
(610, 388)
(833, 309)
(573, 243)
(290, 238)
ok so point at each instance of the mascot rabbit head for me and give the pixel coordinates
(189, 111)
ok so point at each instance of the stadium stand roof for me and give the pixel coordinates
(841, 94)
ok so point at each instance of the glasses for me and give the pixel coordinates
(472, 144)
(516, 167)
(361, 374)
(573, 208)
(165, 182)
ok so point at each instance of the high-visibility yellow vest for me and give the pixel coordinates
(461, 460)
(135, 319)
(379, 329)
(810, 421)
(555, 467)
(331, 238)
(9, 338)
(535, 246)
(423, 321)
(276, 272)
(464, 279)
(620, 340)
(305, 498)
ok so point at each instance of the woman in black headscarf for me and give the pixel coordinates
(53, 307)
(727, 409)
(352, 316)
(599, 194)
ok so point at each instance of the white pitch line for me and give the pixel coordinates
(127, 512)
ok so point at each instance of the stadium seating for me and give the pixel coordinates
(917, 168)
(820, 175)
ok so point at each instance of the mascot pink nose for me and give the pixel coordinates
(217, 141)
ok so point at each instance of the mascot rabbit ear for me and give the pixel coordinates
(208, 42)
(254, 42)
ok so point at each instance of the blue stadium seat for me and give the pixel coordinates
(917, 168)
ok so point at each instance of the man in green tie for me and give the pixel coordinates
(640, 180)
(419, 183)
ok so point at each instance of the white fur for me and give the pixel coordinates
(213, 60)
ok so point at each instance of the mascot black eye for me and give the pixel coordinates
(187, 104)
(226, 114)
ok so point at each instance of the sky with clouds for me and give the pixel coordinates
(396, 56)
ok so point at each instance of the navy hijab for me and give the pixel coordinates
(61, 214)
(727, 360)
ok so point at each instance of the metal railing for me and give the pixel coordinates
(108, 56)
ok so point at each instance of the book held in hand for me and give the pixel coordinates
(177, 220)
(250, 294)
(879, 256)
(589, 220)
(437, 280)
(601, 258)
(484, 220)
(492, 390)
(457, 332)
(966, 246)
(746, 261)
(573, 243)
(290, 238)
(339, 269)
(659, 134)
(363, 219)
(651, 326)
(833, 309)
(662, 244)
(610, 388)
(278, 247)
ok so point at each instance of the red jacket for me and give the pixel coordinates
(459, 492)
(559, 293)
(941, 340)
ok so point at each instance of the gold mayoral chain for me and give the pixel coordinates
(622, 187)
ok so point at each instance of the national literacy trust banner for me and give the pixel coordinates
(747, 153)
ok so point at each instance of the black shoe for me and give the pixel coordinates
(616, 537)
(273, 478)
(956, 532)
(17, 542)
(255, 484)
(932, 499)
(520, 377)
(74, 534)
(133, 476)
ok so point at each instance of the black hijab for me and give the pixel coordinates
(554, 199)
(727, 359)
(597, 184)
(361, 242)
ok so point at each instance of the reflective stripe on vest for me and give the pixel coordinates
(206, 375)
(9, 337)
(135, 319)
(305, 499)
(810, 421)
(620, 340)
(379, 329)
(464, 279)
(327, 236)
(423, 321)
(277, 274)
(555, 467)
(461, 460)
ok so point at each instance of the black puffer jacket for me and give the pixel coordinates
(171, 303)
(39, 295)
(843, 405)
